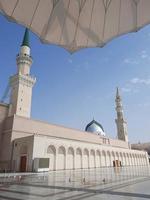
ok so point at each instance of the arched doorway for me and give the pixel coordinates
(108, 159)
(127, 159)
(103, 158)
(70, 158)
(78, 158)
(61, 160)
(85, 158)
(113, 158)
(98, 159)
(23, 158)
(92, 158)
(121, 159)
(51, 151)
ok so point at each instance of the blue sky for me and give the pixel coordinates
(72, 89)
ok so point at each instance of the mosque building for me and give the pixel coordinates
(27, 144)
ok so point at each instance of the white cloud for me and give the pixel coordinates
(144, 104)
(129, 89)
(131, 61)
(144, 55)
(140, 81)
(134, 80)
(125, 89)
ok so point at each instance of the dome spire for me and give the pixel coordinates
(25, 41)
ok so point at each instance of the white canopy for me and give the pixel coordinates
(75, 24)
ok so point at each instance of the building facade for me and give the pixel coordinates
(31, 145)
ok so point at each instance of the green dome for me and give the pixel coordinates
(95, 127)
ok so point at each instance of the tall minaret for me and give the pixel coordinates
(21, 83)
(120, 122)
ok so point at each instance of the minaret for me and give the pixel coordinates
(21, 83)
(120, 122)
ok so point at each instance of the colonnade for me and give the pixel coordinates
(62, 157)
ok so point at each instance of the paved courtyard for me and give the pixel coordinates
(105, 183)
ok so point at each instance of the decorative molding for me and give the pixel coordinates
(24, 59)
(22, 79)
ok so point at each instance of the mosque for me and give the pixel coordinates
(27, 144)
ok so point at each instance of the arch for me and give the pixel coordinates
(61, 160)
(113, 158)
(62, 150)
(85, 158)
(121, 158)
(124, 159)
(70, 150)
(78, 161)
(144, 160)
(92, 152)
(108, 159)
(136, 160)
(103, 158)
(113, 155)
(70, 158)
(127, 159)
(117, 155)
(98, 158)
(23, 157)
(92, 158)
(98, 152)
(51, 151)
(131, 159)
(141, 159)
(23, 149)
(117, 162)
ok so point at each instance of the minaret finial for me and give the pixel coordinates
(117, 93)
(25, 41)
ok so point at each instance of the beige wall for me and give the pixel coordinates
(24, 127)
(64, 154)
(3, 140)
(23, 146)
(6, 149)
(3, 111)
(3, 115)
(101, 151)
(6, 143)
(21, 95)
(23, 130)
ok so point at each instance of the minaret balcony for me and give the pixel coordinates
(24, 59)
(27, 80)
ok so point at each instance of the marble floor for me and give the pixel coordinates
(132, 183)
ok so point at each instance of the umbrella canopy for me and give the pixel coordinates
(76, 24)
